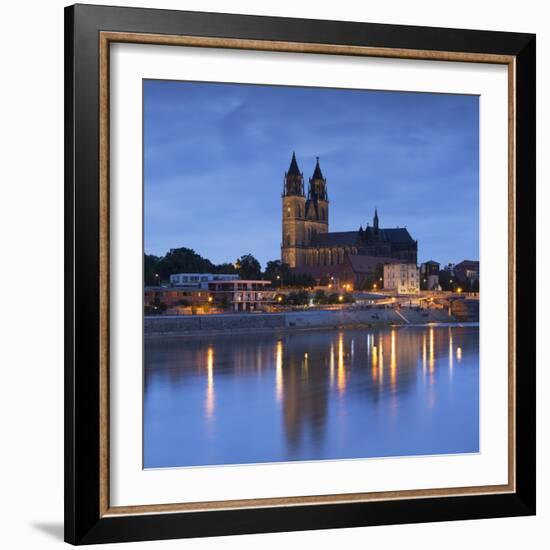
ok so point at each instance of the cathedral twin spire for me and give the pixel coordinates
(294, 181)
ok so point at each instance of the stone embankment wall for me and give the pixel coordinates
(268, 322)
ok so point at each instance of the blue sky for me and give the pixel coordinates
(215, 157)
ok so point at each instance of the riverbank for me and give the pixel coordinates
(165, 325)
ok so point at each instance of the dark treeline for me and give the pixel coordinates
(157, 269)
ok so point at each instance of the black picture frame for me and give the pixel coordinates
(83, 521)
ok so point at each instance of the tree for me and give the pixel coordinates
(299, 298)
(157, 308)
(224, 268)
(150, 269)
(301, 280)
(179, 260)
(368, 282)
(303, 297)
(320, 298)
(183, 260)
(248, 267)
(277, 272)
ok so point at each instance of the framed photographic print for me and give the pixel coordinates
(299, 274)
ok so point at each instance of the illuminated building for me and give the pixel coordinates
(308, 246)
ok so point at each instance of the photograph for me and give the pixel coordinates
(310, 274)
(299, 275)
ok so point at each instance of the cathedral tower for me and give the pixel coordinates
(316, 205)
(294, 207)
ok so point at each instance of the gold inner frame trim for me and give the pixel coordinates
(105, 39)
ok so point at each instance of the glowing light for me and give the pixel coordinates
(341, 365)
(424, 354)
(393, 361)
(458, 354)
(279, 370)
(381, 357)
(368, 345)
(340, 298)
(331, 365)
(451, 357)
(432, 360)
(210, 397)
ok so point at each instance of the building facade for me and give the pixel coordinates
(199, 280)
(429, 275)
(467, 271)
(404, 278)
(204, 291)
(242, 295)
(306, 240)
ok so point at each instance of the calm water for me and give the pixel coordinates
(311, 396)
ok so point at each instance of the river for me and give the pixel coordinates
(311, 395)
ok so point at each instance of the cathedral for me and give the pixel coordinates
(309, 246)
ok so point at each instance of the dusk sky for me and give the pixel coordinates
(215, 157)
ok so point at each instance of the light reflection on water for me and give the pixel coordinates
(314, 395)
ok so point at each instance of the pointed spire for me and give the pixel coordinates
(293, 169)
(317, 174)
(293, 180)
(375, 220)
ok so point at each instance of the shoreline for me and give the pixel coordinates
(288, 322)
(293, 330)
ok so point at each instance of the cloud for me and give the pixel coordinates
(215, 155)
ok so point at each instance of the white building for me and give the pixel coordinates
(200, 280)
(405, 278)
